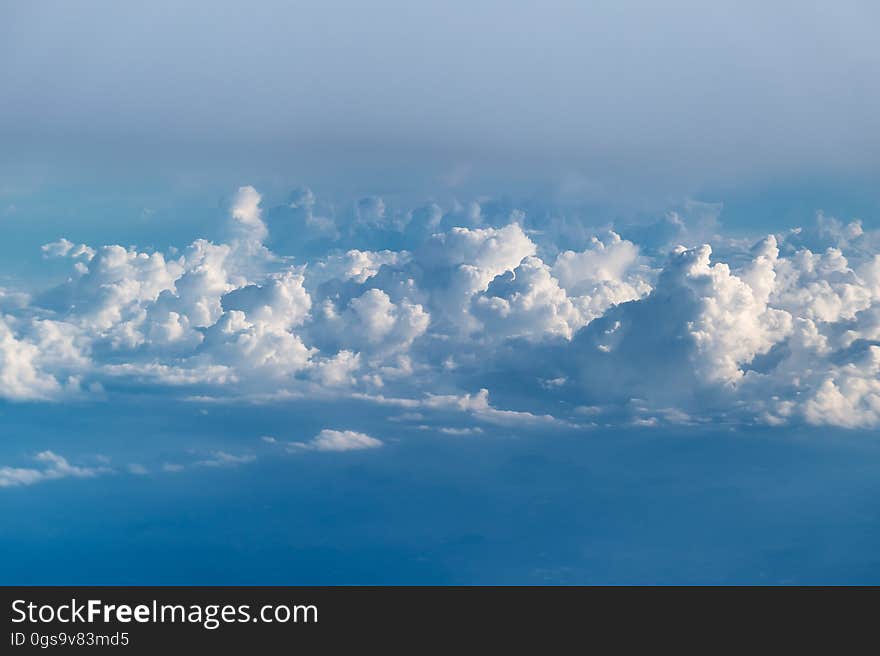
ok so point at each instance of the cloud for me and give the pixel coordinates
(527, 302)
(66, 248)
(247, 215)
(339, 370)
(476, 405)
(300, 223)
(373, 322)
(224, 459)
(371, 211)
(462, 262)
(692, 335)
(780, 329)
(356, 265)
(39, 359)
(467, 430)
(334, 440)
(760, 344)
(54, 467)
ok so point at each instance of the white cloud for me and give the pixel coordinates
(355, 265)
(527, 302)
(38, 359)
(335, 440)
(462, 262)
(248, 216)
(694, 334)
(468, 430)
(66, 248)
(476, 405)
(850, 394)
(821, 287)
(786, 331)
(224, 459)
(730, 322)
(54, 467)
(605, 261)
(373, 322)
(157, 372)
(339, 370)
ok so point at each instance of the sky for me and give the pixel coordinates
(439, 293)
(668, 98)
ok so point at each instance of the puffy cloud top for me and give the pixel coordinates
(785, 330)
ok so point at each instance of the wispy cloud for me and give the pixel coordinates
(224, 459)
(53, 467)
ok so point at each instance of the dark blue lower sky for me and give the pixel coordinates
(621, 506)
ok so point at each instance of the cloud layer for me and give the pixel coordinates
(472, 301)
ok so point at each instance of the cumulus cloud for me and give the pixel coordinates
(693, 334)
(39, 359)
(372, 321)
(780, 339)
(417, 309)
(462, 262)
(527, 302)
(356, 265)
(248, 216)
(256, 330)
(335, 440)
(338, 370)
(727, 317)
(300, 223)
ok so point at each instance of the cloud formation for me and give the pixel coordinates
(54, 467)
(335, 440)
(784, 329)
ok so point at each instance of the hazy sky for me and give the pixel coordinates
(676, 96)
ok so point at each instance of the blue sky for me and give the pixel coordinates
(621, 506)
(489, 293)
